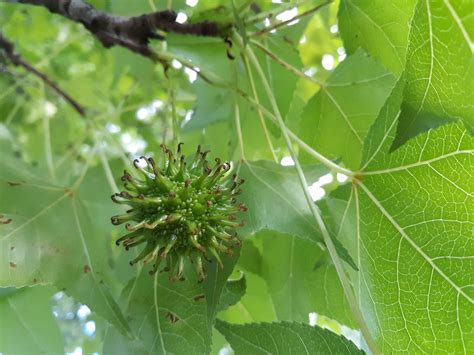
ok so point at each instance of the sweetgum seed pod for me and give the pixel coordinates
(182, 211)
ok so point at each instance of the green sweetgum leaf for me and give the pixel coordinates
(216, 283)
(166, 317)
(298, 278)
(255, 306)
(380, 27)
(58, 233)
(337, 119)
(232, 293)
(439, 68)
(161, 313)
(301, 279)
(275, 201)
(408, 222)
(285, 338)
(26, 312)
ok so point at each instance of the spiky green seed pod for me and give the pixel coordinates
(182, 211)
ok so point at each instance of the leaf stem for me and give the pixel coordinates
(152, 5)
(174, 119)
(108, 172)
(239, 131)
(286, 65)
(77, 184)
(13, 112)
(47, 148)
(318, 156)
(211, 79)
(260, 114)
(314, 210)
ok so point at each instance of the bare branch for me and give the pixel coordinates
(17, 60)
(134, 32)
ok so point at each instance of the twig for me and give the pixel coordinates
(286, 65)
(260, 16)
(17, 60)
(283, 23)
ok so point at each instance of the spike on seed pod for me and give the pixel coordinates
(180, 211)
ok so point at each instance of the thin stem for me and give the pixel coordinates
(174, 118)
(152, 5)
(17, 60)
(244, 6)
(13, 112)
(77, 184)
(260, 114)
(47, 148)
(271, 14)
(318, 156)
(45, 60)
(284, 64)
(286, 22)
(108, 172)
(239, 131)
(314, 210)
(322, 159)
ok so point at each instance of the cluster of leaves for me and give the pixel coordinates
(389, 253)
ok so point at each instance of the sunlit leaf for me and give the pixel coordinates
(273, 204)
(301, 279)
(285, 338)
(411, 214)
(440, 68)
(380, 27)
(337, 119)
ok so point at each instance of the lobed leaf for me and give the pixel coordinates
(379, 27)
(408, 222)
(285, 338)
(337, 119)
(439, 69)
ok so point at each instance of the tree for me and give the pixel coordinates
(350, 122)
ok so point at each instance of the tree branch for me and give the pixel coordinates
(286, 22)
(133, 32)
(17, 60)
